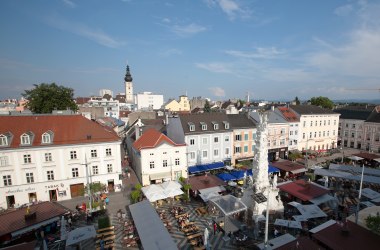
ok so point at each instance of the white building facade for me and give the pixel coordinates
(43, 158)
(208, 137)
(111, 107)
(149, 101)
(318, 129)
(156, 158)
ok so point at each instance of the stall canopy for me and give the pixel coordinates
(226, 177)
(80, 234)
(356, 170)
(152, 232)
(154, 192)
(370, 194)
(311, 211)
(288, 223)
(347, 175)
(322, 199)
(289, 166)
(229, 204)
(205, 167)
(303, 190)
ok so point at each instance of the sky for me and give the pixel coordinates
(219, 49)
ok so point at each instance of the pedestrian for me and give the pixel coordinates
(129, 175)
(107, 201)
(275, 232)
(102, 243)
(214, 227)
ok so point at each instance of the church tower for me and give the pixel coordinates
(128, 87)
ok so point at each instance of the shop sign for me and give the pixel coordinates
(20, 190)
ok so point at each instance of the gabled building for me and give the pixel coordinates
(48, 157)
(243, 137)
(318, 129)
(351, 126)
(372, 131)
(181, 105)
(156, 158)
(208, 136)
(293, 122)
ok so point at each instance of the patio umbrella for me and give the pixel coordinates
(80, 234)
(206, 234)
(355, 158)
(63, 228)
(294, 204)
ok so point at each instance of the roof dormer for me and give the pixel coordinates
(6, 139)
(26, 139)
(203, 125)
(216, 125)
(191, 126)
(47, 137)
(226, 125)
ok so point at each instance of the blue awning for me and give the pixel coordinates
(272, 169)
(205, 167)
(250, 172)
(226, 177)
(238, 174)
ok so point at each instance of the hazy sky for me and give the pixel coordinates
(274, 49)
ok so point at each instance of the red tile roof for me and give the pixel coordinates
(303, 190)
(357, 238)
(67, 129)
(288, 114)
(15, 220)
(368, 156)
(301, 243)
(152, 138)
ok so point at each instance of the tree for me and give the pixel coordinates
(207, 107)
(44, 98)
(324, 102)
(373, 223)
(296, 100)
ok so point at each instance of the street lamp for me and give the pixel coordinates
(360, 195)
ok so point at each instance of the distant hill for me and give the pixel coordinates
(373, 101)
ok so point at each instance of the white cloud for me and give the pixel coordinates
(215, 67)
(83, 30)
(217, 91)
(344, 10)
(231, 7)
(170, 52)
(166, 20)
(188, 30)
(262, 53)
(69, 3)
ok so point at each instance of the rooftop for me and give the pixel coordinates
(303, 190)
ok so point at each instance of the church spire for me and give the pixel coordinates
(128, 77)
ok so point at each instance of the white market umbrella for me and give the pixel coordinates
(170, 185)
(63, 228)
(355, 158)
(156, 196)
(80, 234)
(206, 234)
(173, 192)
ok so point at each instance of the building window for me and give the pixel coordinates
(216, 126)
(3, 161)
(245, 149)
(253, 136)
(328, 122)
(290, 132)
(94, 154)
(237, 150)
(165, 163)
(27, 159)
(151, 164)
(50, 175)
(75, 172)
(164, 153)
(25, 139)
(237, 137)
(7, 180)
(151, 154)
(319, 133)
(192, 155)
(353, 125)
(353, 135)
(73, 155)
(109, 168)
(311, 135)
(315, 134)
(108, 152)
(216, 152)
(204, 140)
(204, 126)
(226, 125)
(320, 123)
(204, 154)
(303, 136)
(282, 142)
(95, 170)
(192, 141)
(227, 138)
(282, 131)
(253, 148)
(29, 178)
(311, 123)
(268, 143)
(246, 137)
(46, 138)
(191, 127)
(304, 123)
(334, 122)
(324, 123)
(176, 161)
(227, 151)
(48, 157)
(3, 140)
(216, 139)
(274, 142)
